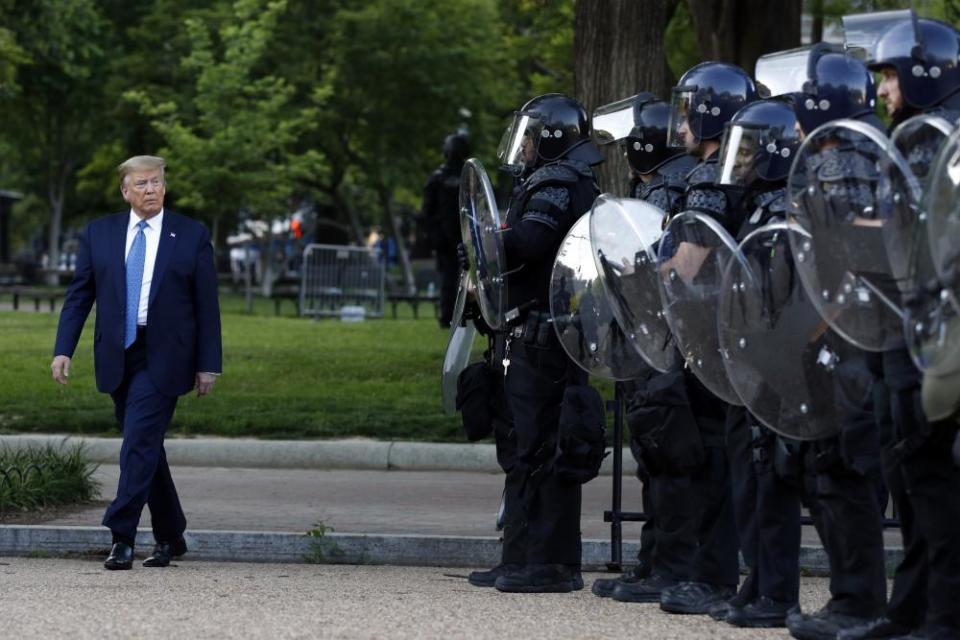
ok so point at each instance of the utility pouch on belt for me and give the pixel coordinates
(475, 390)
(582, 435)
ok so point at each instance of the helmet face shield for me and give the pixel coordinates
(518, 149)
(784, 72)
(680, 131)
(615, 121)
(861, 31)
(739, 154)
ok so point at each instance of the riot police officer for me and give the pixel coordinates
(759, 145)
(919, 60)
(441, 211)
(846, 498)
(549, 151)
(668, 539)
(705, 99)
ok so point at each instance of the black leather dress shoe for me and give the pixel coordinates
(489, 577)
(163, 552)
(120, 558)
(539, 578)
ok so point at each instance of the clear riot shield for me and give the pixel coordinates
(693, 254)
(942, 207)
(625, 233)
(582, 316)
(480, 227)
(459, 348)
(932, 326)
(855, 197)
(788, 368)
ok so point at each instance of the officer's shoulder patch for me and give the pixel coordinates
(703, 173)
(774, 201)
(556, 199)
(552, 174)
(843, 164)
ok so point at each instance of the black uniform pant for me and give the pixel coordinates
(848, 497)
(925, 485)
(668, 540)
(542, 523)
(449, 270)
(716, 560)
(767, 508)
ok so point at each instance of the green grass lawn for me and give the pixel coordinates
(284, 377)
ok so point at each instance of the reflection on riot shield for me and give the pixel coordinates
(459, 348)
(693, 253)
(789, 370)
(625, 233)
(480, 227)
(942, 206)
(854, 195)
(931, 312)
(582, 316)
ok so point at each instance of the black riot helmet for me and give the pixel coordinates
(759, 143)
(925, 54)
(456, 149)
(706, 98)
(838, 86)
(640, 123)
(546, 129)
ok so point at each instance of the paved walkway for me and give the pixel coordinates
(418, 502)
(77, 599)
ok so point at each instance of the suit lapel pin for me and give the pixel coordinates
(173, 235)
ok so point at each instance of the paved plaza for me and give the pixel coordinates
(77, 599)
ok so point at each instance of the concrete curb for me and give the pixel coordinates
(356, 453)
(332, 548)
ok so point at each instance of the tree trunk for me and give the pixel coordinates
(740, 31)
(344, 203)
(394, 222)
(57, 196)
(816, 27)
(619, 52)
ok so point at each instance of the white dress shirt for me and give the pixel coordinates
(152, 234)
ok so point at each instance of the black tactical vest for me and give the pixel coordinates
(532, 281)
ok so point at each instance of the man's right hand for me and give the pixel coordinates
(60, 368)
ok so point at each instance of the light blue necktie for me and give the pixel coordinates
(135, 260)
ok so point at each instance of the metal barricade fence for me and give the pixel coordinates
(337, 276)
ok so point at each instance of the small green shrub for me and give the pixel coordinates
(36, 478)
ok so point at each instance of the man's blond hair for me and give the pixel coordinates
(140, 163)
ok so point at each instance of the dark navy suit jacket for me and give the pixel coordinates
(183, 316)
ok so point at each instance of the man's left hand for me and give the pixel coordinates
(204, 383)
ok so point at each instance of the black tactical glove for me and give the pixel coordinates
(462, 257)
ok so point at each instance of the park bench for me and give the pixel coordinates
(37, 294)
(285, 289)
(414, 300)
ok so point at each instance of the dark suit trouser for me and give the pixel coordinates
(767, 511)
(925, 486)
(144, 414)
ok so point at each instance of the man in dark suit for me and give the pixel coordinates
(157, 336)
